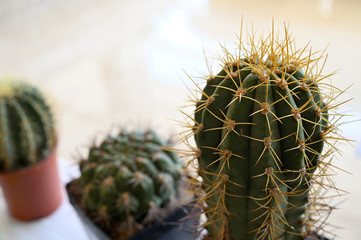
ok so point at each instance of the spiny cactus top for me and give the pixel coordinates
(129, 178)
(27, 132)
(260, 128)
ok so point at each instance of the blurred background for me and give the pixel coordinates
(122, 63)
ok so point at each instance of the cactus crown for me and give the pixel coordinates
(129, 178)
(27, 131)
(261, 126)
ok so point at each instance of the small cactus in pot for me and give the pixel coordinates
(29, 176)
(130, 181)
(263, 133)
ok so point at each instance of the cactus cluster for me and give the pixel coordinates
(27, 131)
(260, 127)
(130, 178)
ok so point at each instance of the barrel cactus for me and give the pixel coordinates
(260, 127)
(27, 131)
(130, 179)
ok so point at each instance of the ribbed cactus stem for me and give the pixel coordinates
(27, 131)
(260, 128)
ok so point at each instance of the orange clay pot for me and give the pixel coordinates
(33, 192)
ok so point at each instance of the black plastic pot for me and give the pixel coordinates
(175, 226)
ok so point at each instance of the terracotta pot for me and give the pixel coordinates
(33, 192)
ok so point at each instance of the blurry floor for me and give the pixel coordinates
(106, 63)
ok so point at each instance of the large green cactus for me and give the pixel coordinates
(260, 128)
(129, 178)
(27, 132)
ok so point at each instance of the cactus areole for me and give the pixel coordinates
(260, 128)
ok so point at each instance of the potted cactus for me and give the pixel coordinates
(28, 171)
(128, 183)
(263, 142)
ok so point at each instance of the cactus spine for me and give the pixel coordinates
(129, 178)
(27, 132)
(260, 129)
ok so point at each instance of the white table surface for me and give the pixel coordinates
(63, 224)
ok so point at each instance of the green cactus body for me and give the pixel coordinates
(27, 132)
(260, 129)
(129, 177)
